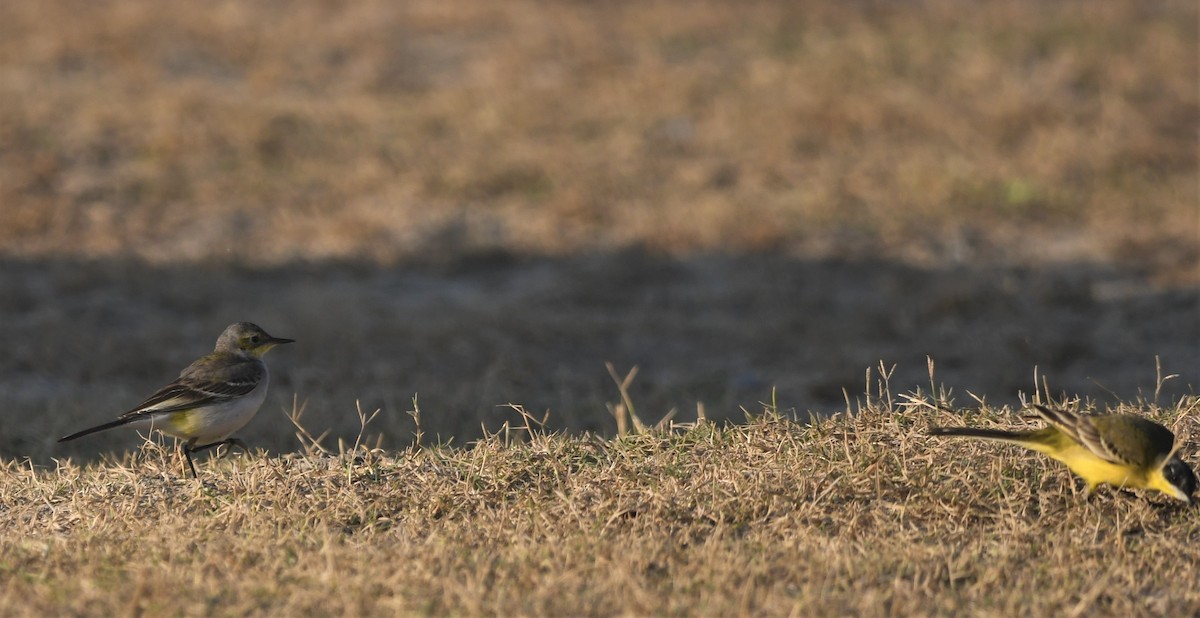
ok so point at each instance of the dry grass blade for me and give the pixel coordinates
(624, 411)
(311, 444)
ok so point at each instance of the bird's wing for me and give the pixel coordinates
(202, 384)
(1135, 440)
(1084, 430)
(1091, 437)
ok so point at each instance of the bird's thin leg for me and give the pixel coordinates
(228, 441)
(187, 453)
(207, 446)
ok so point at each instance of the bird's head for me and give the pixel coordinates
(1181, 479)
(249, 339)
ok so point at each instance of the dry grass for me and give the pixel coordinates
(859, 514)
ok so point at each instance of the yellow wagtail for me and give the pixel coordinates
(214, 397)
(1122, 450)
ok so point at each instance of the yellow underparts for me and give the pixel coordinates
(1094, 470)
(185, 423)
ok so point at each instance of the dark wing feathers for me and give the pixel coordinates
(1080, 429)
(1136, 440)
(225, 390)
(1065, 420)
(1090, 436)
(1085, 430)
(173, 397)
(199, 385)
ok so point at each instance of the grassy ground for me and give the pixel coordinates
(858, 514)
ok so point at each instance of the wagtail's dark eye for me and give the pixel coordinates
(255, 339)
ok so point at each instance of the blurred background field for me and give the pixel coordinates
(484, 202)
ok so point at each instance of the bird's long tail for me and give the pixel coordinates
(1020, 437)
(91, 430)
